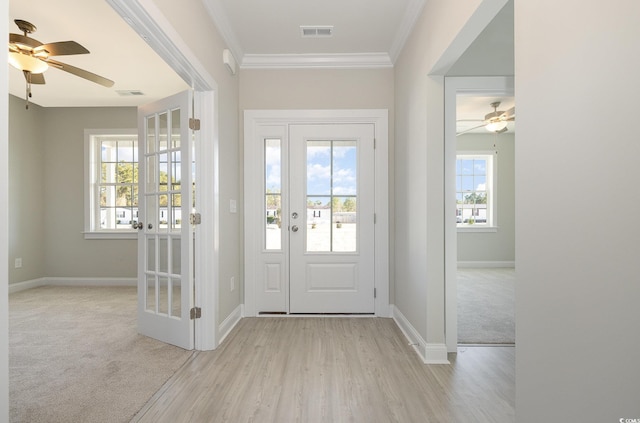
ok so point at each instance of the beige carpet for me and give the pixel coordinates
(75, 356)
(486, 306)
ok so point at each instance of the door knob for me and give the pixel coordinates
(294, 228)
(137, 225)
(294, 215)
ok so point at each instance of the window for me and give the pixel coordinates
(475, 191)
(111, 197)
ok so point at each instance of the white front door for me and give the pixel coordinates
(314, 207)
(331, 212)
(165, 237)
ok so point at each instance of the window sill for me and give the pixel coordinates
(111, 235)
(478, 229)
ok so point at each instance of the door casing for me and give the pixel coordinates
(253, 121)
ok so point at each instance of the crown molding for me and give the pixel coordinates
(218, 15)
(411, 15)
(315, 61)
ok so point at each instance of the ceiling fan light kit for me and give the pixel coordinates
(33, 58)
(495, 121)
(27, 63)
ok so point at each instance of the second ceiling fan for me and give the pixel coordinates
(495, 121)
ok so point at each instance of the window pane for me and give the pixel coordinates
(175, 128)
(151, 253)
(151, 134)
(318, 167)
(273, 229)
(108, 174)
(176, 257)
(319, 224)
(108, 151)
(466, 167)
(163, 132)
(344, 224)
(344, 170)
(163, 295)
(273, 197)
(125, 151)
(176, 297)
(163, 254)
(151, 293)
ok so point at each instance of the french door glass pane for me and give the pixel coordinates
(163, 254)
(151, 253)
(163, 132)
(151, 135)
(163, 295)
(175, 128)
(176, 297)
(151, 293)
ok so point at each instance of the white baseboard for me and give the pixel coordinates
(429, 353)
(23, 286)
(57, 281)
(486, 264)
(229, 323)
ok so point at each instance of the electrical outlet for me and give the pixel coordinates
(18, 263)
(233, 283)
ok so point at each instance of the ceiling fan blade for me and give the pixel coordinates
(469, 130)
(509, 114)
(21, 39)
(81, 73)
(34, 78)
(62, 48)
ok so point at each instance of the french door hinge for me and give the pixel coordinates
(194, 124)
(195, 313)
(195, 218)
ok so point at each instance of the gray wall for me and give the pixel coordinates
(496, 246)
(578, 296)
(26, 190)
(47, 194)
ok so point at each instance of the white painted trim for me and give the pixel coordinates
(74, 281)
(229, 323)
(483, 15)
(486, 264)
(379, 118)
(315, 61)
(453, 86)
(24, 285)
(148, 21)
(411, 15)
(218, 15)
(428, 353)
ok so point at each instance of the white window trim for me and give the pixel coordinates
(492, 179)
(90, 160)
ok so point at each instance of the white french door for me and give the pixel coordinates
(316, 218)
(165, 238)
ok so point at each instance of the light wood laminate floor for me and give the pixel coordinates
(315, 369)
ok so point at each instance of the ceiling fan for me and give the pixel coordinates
(33, 57)
(495, 121)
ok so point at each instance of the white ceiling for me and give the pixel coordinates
(117, 53)
(365, 34)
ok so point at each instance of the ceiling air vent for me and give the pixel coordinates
(316, 31)
(126, 93)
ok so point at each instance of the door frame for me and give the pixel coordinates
(481, 85)
(146, 19)
(253, 119)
